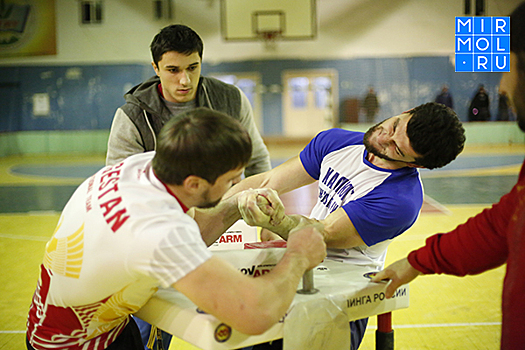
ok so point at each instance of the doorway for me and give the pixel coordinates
(309, 104)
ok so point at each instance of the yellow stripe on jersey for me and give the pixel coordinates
(64, 255)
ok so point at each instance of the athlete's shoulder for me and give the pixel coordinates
(138, 160)
(334, 139)
(326, 143)
(403, 187)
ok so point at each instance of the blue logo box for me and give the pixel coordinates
(482, 44)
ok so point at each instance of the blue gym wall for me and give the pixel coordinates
(401, 83)
(84, 100)
(87, 99)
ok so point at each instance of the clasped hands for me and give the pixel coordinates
(261, 207)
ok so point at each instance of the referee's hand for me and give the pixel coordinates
(399, 273)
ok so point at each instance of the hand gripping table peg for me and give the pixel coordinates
(308, 283)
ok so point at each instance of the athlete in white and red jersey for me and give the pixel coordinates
(97, 269)
(124, 233)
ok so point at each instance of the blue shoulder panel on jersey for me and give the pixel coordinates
(324, 143)
(389, 209)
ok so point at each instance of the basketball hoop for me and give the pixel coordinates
(269, 38)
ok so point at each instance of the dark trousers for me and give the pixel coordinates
(357, 332)
(145, 333)
(129, 339)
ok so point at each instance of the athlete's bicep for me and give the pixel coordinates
(286, 177)
(340, 231)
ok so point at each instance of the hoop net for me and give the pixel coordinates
(270, 35)
(269, 38)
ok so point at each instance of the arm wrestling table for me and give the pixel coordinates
(313, 321)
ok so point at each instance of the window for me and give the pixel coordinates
(322, 88)
(91, 12)
(299, 91)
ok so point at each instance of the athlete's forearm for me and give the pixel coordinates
(213, 222)
(295, 222)
(278, 288)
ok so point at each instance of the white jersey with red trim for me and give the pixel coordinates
(120, 237)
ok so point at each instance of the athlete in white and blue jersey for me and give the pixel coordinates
(381, 203)
(369, 190)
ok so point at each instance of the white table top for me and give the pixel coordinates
(344, 295)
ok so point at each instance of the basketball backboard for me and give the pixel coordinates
(248, 20)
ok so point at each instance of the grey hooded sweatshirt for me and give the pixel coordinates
(137, 123)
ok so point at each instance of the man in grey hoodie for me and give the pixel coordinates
(178, 87)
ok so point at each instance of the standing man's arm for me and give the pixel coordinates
(252, 305)
(260, 160)
(124, 139)
(477, 245)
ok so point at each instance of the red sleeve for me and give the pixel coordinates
(478, 245)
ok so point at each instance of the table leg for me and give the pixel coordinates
(308, 283)
(384, 333)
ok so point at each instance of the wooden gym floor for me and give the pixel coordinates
(445, 312)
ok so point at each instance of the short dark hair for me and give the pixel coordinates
(435, 133)
(200, 142)
(178, 38)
